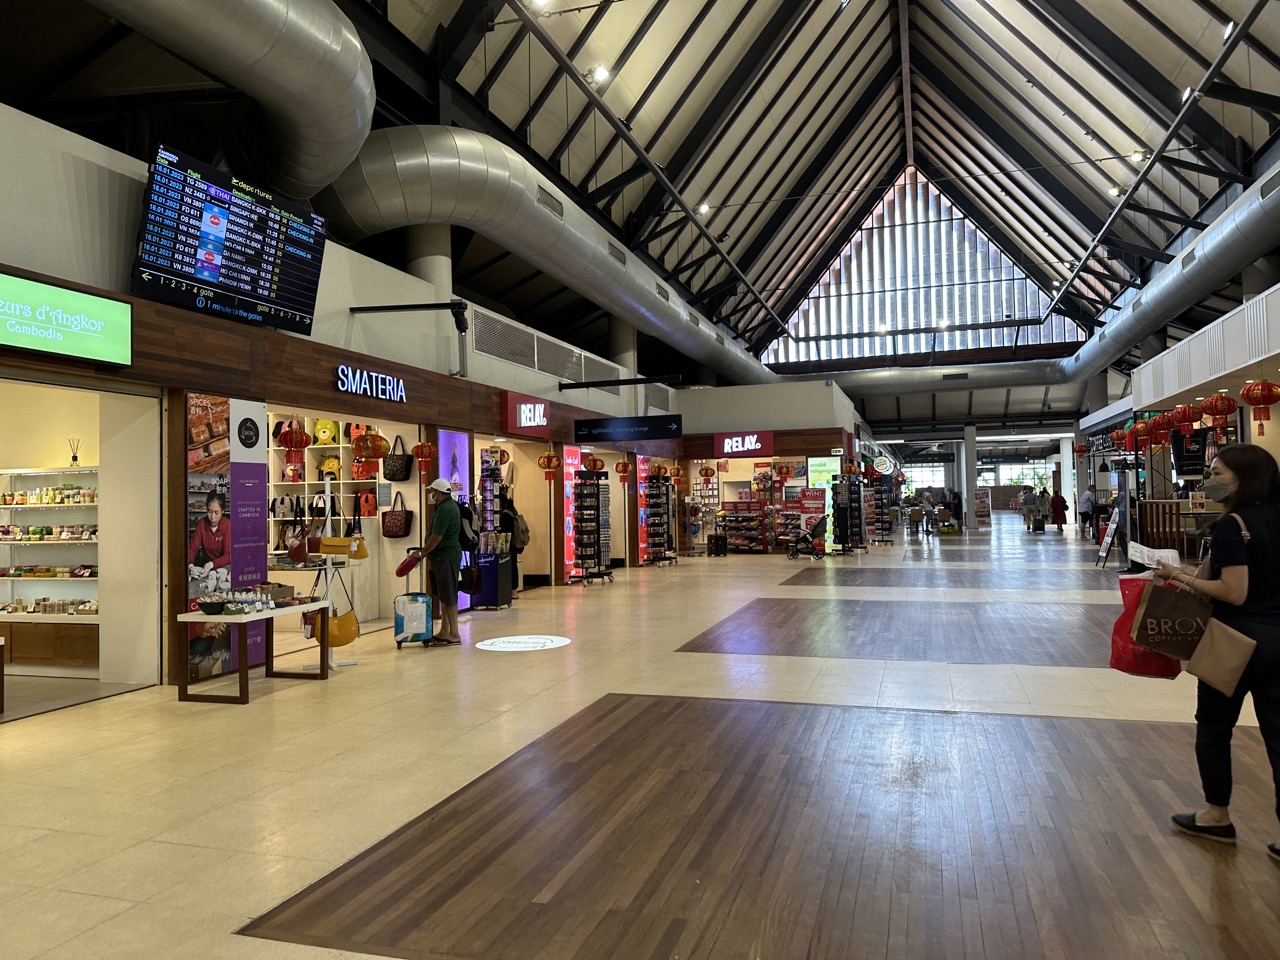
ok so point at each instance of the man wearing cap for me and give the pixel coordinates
(445, 554)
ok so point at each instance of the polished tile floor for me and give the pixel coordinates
(141, 827)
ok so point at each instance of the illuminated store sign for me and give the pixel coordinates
(36, 316)
(526, 416)
(744, 444)
(366, 383)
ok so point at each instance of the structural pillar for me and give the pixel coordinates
(622, 351)
(1069, 481)
(970, 491)
(428, 255)
(1096, 393)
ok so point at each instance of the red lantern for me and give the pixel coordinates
(370, 446)
(784, 472)
(677, 474)
(423, 453)
(850, 469)
(658, 470)
(1117, 437)
(1138, 436)
(1186, 416)
(1260, 395)
(550, 462)
(294, 440)
(1219, 407)
(1080, 449)
(706, 473)
(623, 469)
(1160, 423)
(594, 464)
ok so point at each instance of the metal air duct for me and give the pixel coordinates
(1247, 230)
(415, 175)
(301, 61)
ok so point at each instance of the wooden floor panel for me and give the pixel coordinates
(1008, 577)
(1029, 634)
(666, 827)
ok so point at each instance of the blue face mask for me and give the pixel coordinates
(1216, 490)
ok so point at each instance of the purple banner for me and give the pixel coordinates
(249, 543)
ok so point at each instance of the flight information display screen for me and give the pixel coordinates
(213, 243)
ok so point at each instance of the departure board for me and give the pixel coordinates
(214, 243)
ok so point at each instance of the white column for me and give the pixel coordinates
(622, 351)
(970, 448)
(1069, 464)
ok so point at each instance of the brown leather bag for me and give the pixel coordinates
(397, 521)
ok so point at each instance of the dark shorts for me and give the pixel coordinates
(1086, 517)
(445, 575)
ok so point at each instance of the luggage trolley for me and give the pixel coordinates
(413, 610)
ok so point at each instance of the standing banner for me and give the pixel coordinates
(643, 465)
(813, 506)
(572, 464)
(982, 507)
(454, 450)
(868, 511)
(226, 521)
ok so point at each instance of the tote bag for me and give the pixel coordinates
(397, 465)
(397, 521)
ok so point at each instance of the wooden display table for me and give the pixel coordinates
(238, 624)
(1, 676)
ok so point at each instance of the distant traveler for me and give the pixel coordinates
(510, 521)
(1058, 509)
(445, 553)
(1087, 506)
(1242, 577)
(1028, 501)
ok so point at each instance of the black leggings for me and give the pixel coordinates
(1216, 716)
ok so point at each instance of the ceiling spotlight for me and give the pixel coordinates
(1248, 381)
(1227, 30)
(703, 207)
(597, 74)
(1186, 94)
(883, 328)
(1138, 156)
(942, 325)
(1223, 390)
(1057, 283)
(1113, 190)
(1198, 399)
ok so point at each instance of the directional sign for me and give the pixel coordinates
(669, 427)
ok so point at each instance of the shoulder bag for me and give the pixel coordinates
(397, 465)
(1223, 652)
(397, 521)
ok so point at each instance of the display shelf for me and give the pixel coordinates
(659, 520)
(86, 618)
(48, 543)
(592, 546)
(48, 506)
(49, 579)
(743, 524)
(50, 472)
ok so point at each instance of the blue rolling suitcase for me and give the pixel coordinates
(413, 619)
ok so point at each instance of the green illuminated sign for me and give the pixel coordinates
(36, 316)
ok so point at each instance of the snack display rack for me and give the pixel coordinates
(659, 495)
(789, 527)
(591, 541)
(846, 501)
(743, 524)
(880, 524)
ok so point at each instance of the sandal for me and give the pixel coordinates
(1273, 851)
(1186, 822)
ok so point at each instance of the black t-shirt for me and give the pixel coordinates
(1261, 554)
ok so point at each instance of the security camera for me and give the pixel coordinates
(829, 383)
(459, 310)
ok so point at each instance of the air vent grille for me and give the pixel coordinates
(559, 360)
(549, 200)
(618, 254)
(657, 397)
(955, 376)
(507, 341)
(599, 370)
(663, 292)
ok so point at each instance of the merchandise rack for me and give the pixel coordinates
(743, 523)
(660, 523)
(591, 542)
(789, 527)
(880, 526)
(497, 570)
(846, 502)
(706, 497)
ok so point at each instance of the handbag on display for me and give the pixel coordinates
(397, 465)
(343, 628)
(397, 521)
(332, 544)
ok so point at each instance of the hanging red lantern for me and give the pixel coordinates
(677, 474)
(423, 453)
(1138, 436)
(784, 472)
(294, 440)
(623, 469)
(594, 464)
(1260, 395)
(1080, 449)
(1219, 407)
(1185, 416)
(1160, 423)
(1118, 437)
(370, 446)
(550, 462)
(706, 473)
(658, 470)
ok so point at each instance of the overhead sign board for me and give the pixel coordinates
(759, 444)
(525, 416)
(669, 427)
(37, 316)
(882, 464)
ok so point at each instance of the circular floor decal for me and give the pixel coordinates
(529, 642)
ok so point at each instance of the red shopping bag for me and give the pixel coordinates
(1127, 656)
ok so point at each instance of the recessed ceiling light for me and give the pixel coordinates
(1199, 398)
(501, 440)
(1186, 94)
(1248, 381)
(1222, 389)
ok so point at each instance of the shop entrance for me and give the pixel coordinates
(80, 545)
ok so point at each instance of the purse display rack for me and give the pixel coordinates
(743, 524)
(591, 536)
(55, 541)
(659, 523)
(494, 556)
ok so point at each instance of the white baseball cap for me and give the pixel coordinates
(441, 485)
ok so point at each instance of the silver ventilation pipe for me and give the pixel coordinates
(414, 175)
(1247, 230)
(301, 61)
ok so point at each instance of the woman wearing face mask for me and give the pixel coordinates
(1242, 578)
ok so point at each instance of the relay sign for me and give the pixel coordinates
(213, 243)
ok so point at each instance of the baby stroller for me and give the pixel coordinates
(813, 542)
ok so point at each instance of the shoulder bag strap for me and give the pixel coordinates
(1244, 530)
(397, 502)
(398, 445)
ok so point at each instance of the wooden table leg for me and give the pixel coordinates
(322, 636)
(324, 643)
(270, 661)
(242, 648)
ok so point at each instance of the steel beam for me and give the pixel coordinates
(464, 34)
(1170, 217)
(1207, 170)
(1149, 253)
(617, 184)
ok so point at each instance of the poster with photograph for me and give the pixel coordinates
(572, 463)
(982, 508)
(226, 520)
(455, 466)
(643, 466)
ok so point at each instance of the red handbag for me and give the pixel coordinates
(362, 469)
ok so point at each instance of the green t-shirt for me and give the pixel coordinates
(446, 521)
